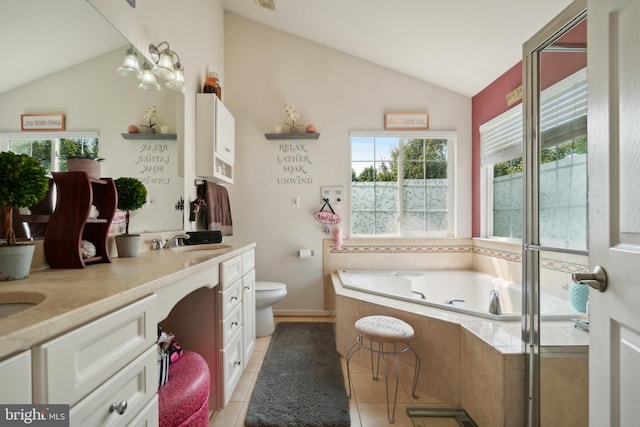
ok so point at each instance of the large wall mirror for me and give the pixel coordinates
(64, 60)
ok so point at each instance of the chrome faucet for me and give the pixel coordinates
(172, 242)
(494, 303)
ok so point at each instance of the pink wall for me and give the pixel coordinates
(491, 101)
(487, 104)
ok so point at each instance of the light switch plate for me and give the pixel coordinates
(335, 194)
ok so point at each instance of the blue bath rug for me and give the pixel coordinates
(300, 383)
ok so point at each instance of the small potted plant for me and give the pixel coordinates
(132, 195)
(23, 182)
(150, 118)
(85, 162)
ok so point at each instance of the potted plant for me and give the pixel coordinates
(85, 162)
(23, 182)
(132, 194)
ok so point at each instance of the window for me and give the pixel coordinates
(51, 149)
(402, 183)
(563, 168)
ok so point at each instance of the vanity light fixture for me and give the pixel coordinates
(148, 80)
(130, 66)
(177, 83)
(164, 61)
(167, 66)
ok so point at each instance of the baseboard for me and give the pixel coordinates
(301, 313)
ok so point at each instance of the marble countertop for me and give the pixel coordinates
(73, 297)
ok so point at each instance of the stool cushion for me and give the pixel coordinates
(184, 399)
(384, 328)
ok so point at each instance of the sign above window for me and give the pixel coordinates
(42, 122)
(406, 121)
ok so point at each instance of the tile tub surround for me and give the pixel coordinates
(470, 362)
(497, 258)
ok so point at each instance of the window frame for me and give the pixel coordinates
(554, 129)
(452, 140)
(55, 137)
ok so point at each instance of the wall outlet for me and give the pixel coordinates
(335, 194)
(152, 202)
(295, 201)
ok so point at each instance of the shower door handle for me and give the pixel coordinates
(597, 280)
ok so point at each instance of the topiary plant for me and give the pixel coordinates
(23, 182)
(132, 194)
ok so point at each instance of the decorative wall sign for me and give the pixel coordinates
(406, 121)
(42, 121)
(295, 163)
(514, 96)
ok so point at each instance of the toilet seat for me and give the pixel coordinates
(270, 286)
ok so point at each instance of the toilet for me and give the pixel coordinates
(267, 294)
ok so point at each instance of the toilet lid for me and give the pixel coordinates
(270, 286)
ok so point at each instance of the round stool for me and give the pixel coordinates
(381, 330)
(184, 399)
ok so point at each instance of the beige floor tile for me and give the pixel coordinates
(375, 415)
(243, 390)
(229, 416)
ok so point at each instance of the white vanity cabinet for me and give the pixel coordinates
(15, 375)
(236, 302)
(215, 139)
(248, 304)
(105, 370)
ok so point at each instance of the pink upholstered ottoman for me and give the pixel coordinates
(184, 399)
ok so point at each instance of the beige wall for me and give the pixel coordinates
(267, 69)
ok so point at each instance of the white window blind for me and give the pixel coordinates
(563, 114)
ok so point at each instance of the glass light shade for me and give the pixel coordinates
(130, 65)
(164, 67)
(148, 80)
(177, 83)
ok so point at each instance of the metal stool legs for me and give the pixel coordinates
(355, 347)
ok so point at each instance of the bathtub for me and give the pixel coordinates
(456, 290)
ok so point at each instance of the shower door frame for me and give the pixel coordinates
(532, 247)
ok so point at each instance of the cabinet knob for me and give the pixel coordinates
(120, 408)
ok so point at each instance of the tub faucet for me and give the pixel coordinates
(494, 303)
(172, 242)
(419, 293)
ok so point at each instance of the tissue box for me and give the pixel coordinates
(163, 368)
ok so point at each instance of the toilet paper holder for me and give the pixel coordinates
(305, 253)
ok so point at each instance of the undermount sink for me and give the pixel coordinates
(15, 302)
(207, 247)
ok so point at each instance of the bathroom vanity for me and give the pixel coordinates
(88, 338)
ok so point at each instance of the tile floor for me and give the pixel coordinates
(368, 406)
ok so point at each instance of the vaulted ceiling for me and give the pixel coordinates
(461, 45)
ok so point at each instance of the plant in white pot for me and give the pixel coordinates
(23, 182)
(132, 195)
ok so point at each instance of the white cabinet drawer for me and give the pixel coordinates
(231, 325)
(148, 417)
(136, 384)
(231, 270)
(231, 298)
(232, 366)
(248, 261)
(15, 375)
(69, 367)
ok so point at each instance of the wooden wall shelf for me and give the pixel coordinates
(301, 135)
(171, 136)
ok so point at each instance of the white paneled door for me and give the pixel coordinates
(614, 210)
